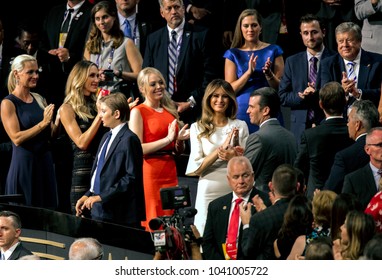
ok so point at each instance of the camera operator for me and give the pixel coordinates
(195, 246)
(222, 233)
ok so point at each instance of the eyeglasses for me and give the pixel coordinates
(379, 145)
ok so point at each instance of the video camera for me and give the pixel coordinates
(170, 233)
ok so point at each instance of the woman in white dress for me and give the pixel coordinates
(217, 129)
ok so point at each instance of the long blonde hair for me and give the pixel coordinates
(205, 122)
(74, 90)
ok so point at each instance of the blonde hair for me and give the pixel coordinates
(322, 205)
(166, 102)
(18, 65)
(205, 122)
(74, 90)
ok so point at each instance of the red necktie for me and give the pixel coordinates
(233, 229)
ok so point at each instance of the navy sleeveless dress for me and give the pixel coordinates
(31, 172)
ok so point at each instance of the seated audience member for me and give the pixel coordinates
(298, 220)
(222, 234)
(357, 230)
(363, 115)
(365, 182)
(86, 248)
(374, 208)
(343, 204)
(260, 230)
(116, 191)
(373, 248)
(10, 231)
(319, 249)
(320, 144)
(322, 209)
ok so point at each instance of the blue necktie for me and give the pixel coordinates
(100, 163)
(172, 61)
(351, 72)
(127, 29)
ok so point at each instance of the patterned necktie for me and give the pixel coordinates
(100, 163)
(233, 230)
(351, 72)
(380, 180)
(127, 29)
(172, 61)
(312, 79)
(65, 25)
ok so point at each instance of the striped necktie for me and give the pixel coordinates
(380, 180)
(172, 61)
(351, 72)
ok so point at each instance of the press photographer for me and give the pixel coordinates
(174, 238)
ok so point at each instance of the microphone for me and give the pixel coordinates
(155, 223)
(189, 213)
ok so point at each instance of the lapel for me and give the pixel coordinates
(187, 33)
(369, 188)
(364, 69)
(114, 144)
(224, 213)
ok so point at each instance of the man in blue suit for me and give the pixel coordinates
(116, 195)
(297, 90)
(358, 71)
(196, 61)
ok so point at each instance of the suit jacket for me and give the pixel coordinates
(266, 152)
(295, 80)
(372, 24)
(318, 148)
(215, 232)
(361, 183)
(345, 162)
(75, 43)
(257, 240)
(369, 76)
(196, 64)
(19, 252)
(145, 29)
(121, 181)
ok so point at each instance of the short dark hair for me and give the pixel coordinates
(311, 17)
(332, 98)
(284, 180)
(268, 98)
(14, 217)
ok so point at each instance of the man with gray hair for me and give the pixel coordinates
(358, 71)
(363, 115)
(86, 248)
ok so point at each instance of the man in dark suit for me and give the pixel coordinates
(116, 193)
(297, 88)
(195, 61)
(365, 182)
(358, 71)
(10, 231)
(362, 117)
(260, 230)
(241, 179)
(64, 54)
(320, 144)
(272, 144)
(140, 29)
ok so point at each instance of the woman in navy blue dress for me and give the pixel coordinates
(28, 122)
(250, 63)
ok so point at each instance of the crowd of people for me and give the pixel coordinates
(277, 110)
